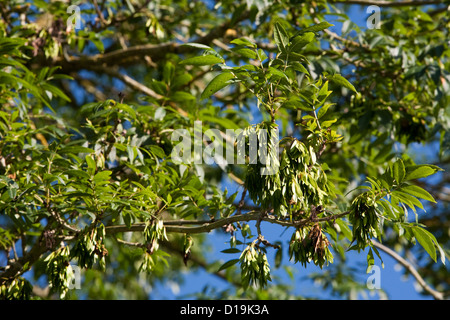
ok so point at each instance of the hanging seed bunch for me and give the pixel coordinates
(303, 182)
(153, 232)
(90, 248)
(59, 271)
(364, 219)
(254, 266)
(298, 182)
(17, 289)
(261, 156)
(310, 244)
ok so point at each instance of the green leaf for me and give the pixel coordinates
(277, 73)
(231, 250)
(375, 183)
(75, 149)
(344, 229)
(126, 215)
(398, 171)
(315, 28)
(436, 243)
(56, 91)
(298, 67)
(340, 80)
(91, 164)
(202, 60)
(328, 123)
(323, 92)
(182, 96)
(228, 264)
(243, 42)
(168, 72)
(425, 241)
(131, 153)
(127, 109)
(12, 193)
(281, 37)
(418, 192)
(278, 258)
(157, 151)
(300, 41)
(378, 255)
(408, 199)
(261, 55)
(102, 175)
(245, 52)
(219, 82)
(420, 171)
(181, 80)
(324, 109)
(198, 46)
(95, 39)
(224, 122)
(77, 173)
(370, 260)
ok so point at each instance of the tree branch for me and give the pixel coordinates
(179, 226)
(135, 54)
(16, 268)
(436, 294)
(129, 81)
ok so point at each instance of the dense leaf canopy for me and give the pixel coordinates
(121, 123)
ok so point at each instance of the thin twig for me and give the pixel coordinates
(60, 220)
(436, 294)
(100, 15)
(131, 82)
(131, 244)
(242, 202)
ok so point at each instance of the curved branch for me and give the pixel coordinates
(179, 226)
(136, 53)
(436, 294)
